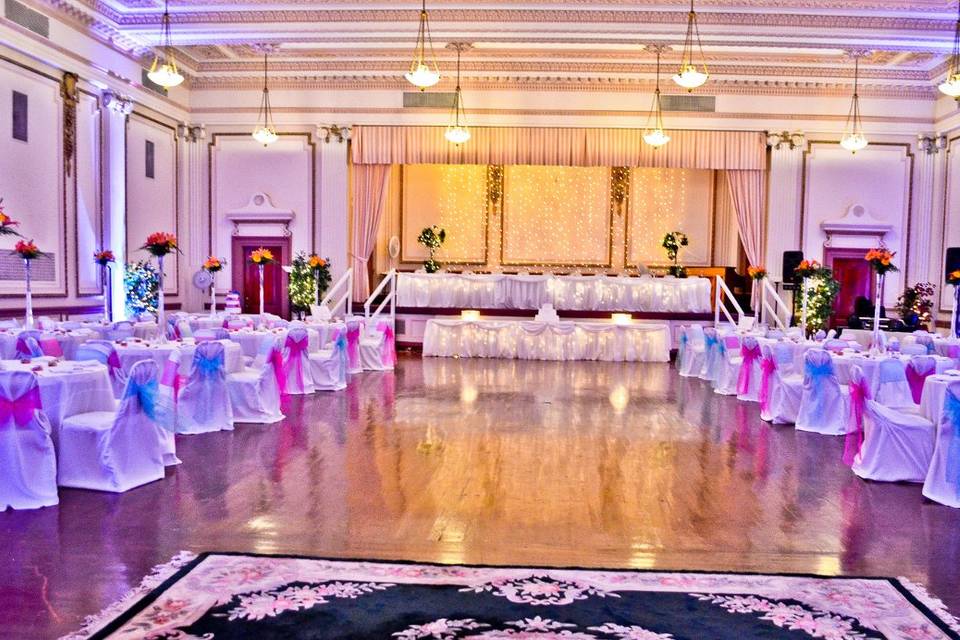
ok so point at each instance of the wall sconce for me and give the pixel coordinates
(792, 141)
(931, 145)
(117, 103)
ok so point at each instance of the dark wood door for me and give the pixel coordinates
(246, 277)
(855, 278)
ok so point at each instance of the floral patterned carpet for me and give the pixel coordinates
(221, 595)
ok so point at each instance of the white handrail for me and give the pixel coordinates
(390, 299)
(346, 298)
(768, 292)
(720, 306)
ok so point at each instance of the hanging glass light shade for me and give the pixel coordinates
(266, 132)
(653, 133)
(458, 132)
(424, 71)
(689, 76)
(853, 139)
(164, 71)
(951, 85)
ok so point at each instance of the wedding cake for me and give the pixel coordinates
(547, 314)
(231, 303)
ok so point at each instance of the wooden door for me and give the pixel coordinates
(246, 277)
(855, 278)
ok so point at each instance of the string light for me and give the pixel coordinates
(658, 204)
(462, 204)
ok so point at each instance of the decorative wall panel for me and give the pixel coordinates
(89, 223)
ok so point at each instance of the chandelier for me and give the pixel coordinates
(853, 139)
(689, 76)
(423, 72)
(265, 133)
(457, 132)
(654, 134)
(164, 70)
(951, 85)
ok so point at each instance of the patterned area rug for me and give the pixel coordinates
(221, 595)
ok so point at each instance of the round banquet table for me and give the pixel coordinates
(871, 366)
(69, 388)
(934, 393)
(250, 340)
(141, 330)
(130, 352)
(69, 341)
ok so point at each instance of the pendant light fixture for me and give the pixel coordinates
(265, 133)
(951, 85)
(424, 71)
(853, 139)
(457, 132)
(164, 71)
(654, 134)
(690, 76)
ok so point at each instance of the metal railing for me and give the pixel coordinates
(767, 294)
(719, 306)
(339, 294)
(389, 300)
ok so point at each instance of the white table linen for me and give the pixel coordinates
(871, 367)
(574, 293)
(934, 393)
(131, 352)
(251, 340)
(531, 340)
(69, 341)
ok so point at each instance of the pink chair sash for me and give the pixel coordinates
(917, 377)
(768, 366)
(750, 356)
(276, 362)
(171, 377)
(388, 351)
(20, 409)
(853, 442)
(297, 350)
(353, 345)
(51, 347)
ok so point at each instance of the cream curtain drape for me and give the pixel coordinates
(369, 201)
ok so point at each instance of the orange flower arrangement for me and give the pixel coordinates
(261, 256)
(954, 278)
(6, 223)
(807, 268)
(881, 259)
(757, 272)
(316, 262)
(104, 257)
(213, 264)
(27, 250)
(161, 243)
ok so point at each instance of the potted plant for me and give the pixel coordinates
(673, 242)
(432, 238)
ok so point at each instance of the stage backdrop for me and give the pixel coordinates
(586, 218)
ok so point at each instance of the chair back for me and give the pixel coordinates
(28, 345)
(915, 349)
(141, 394)
(20, 403)
(918, 370)
(859, 398)
(817, 367)
(121, 330)
(10, 323)
(296, 347)
(831, 334)
(926, 340)
(208, 362)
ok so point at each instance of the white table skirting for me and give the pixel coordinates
(547, 341)
(574, 293)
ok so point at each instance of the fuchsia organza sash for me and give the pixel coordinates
(750, 356)
(297, 350)
(20, 409)
(353, 345)
(859, 394)
(171, 377)
(276, 361)
(916, 378)
(388, 351)
(768, 366)
(51, 347)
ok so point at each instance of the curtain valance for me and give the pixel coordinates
(687, 149)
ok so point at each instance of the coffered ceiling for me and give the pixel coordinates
(751, 46)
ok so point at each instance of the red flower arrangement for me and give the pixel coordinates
(316, 262)
(807, 268)
(161, 243)
(262, 256)
(881, 259)
(27, 250)
(757, 272)
(954, 278)
(7, 224)
(104, 257)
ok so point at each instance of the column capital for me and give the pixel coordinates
(191, 132)
(931, 144)
(116, 102)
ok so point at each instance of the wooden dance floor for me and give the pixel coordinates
(484, 461)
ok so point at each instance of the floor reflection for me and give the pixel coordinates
(592, 464)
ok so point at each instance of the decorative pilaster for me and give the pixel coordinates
(922, 218)
(116, 109)
(783, 213)
(70, 95)
(332, 228)
(194, 217)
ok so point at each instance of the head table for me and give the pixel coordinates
(570, 292)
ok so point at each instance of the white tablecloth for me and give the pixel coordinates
(69, 341)
(251, 339)
(871, 367)
(934, 392)
(575, 293)
(132, 352)
(142, 330)
(547, 341)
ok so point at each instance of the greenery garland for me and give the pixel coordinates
(301, 285)
(141, 282)
(822, 291)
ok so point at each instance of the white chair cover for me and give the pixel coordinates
(749, 376)
(914, 349)
(28, 345)
(712, 354)
(897, 447)
(28, 463)
(298, 379)
(824, 404)
(255, 391)
(918, 370)
(329, 366)
(204, 403)
(354, 331)
(105, 353)
(694, 354)
(726, 383)
(783, 390)
(122, 330)
(108, 451)
(942, 483)
(892, 387)
(378, 348)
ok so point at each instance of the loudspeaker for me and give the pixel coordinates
(953, 260)
(791, 260)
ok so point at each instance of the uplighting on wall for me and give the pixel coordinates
(653, 134)
(689, 76)
(164, 71)
(265, 133)
(951, 85)
(457, 131)
(424, 71)
(853, 139)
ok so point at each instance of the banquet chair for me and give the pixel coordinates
(823, 403)
(893, 390)
(780, 391)
(297, 375)
(774, 334)
(712, 354)
(354, 331)
(695, 352)
(378, 351)
(121, 330)
(820, 335)
(832, 334)
(897, 446)
(329, 365)
(105, 353)
(184, 329)
(28, 462)
(942, 482)
(914, 349)
(926, 340)
(28, 347)
(730, 362)
(255, 391)
(682, 340)
(118, 451)
(10, 323)
(203, 404)
(748, 378)
(46, 323)
(918, 370)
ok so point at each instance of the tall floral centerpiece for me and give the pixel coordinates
(805, 270)
(159, 244)
(758, 274)
(105, 258)
(7, 224)
(432, 238)
(321, 274)
(953, 278)
(881, 260)
(261, 257)
(28, 252)
(213, 265)
(673, 242)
